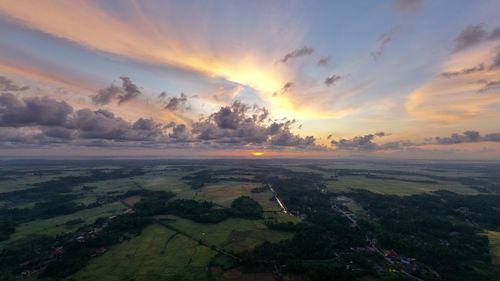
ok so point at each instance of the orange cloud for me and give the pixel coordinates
(456, 99)
(163, 42)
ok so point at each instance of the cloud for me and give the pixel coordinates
(465, 137)
(161, 41)
(33, 111)
(240, 124)
(488, 85)
(128, 91)
(57, 119)
(496, 60)
(454, 100)
(103, 124)
(181, 133)
(177, 103)
(162, 95)
(131, 90)
(8, 85)
(297, 53)
(364, 142)
(407, 6)
(226, 93)
(323, 61)
(384, 40)
(330, 81)
(45, 121)
(287, 87)
(473, 35)
(464, 71)
(494, 34)
(106, 95)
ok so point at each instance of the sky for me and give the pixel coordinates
(394, 78)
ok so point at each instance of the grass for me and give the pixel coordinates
(171, 181)
(225, 192)
(157, 254)
(217, 233)
(232, 234)
(239, 241)
(394, 187)
(54, 226)
(494, 238)
(22, 182)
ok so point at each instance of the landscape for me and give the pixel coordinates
(258, 219)
(249, 140)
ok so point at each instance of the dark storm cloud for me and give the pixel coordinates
(126, 92)
(330, 81)
(384, 40)
(464, 71)
(176, 103)
(323, 61)
(297, 53)
(32, 111)
(408, 6)
(7, 85)
(470, 36)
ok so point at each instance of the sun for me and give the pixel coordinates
(257, 153)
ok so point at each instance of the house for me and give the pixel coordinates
(58, 251)
(390, 253)
(81, 239)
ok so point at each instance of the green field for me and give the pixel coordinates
(157, 254)
(225, 192)
(222, 234)
(21, 182)
(171, 181)
(394, 187)
(494, 238)
(54, 226)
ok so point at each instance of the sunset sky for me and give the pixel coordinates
(403, 78)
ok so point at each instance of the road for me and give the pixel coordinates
(280, 203)
(351, 217)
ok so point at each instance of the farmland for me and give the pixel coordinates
(219, 220)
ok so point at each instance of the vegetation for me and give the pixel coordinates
(246, 207)
(141, 221)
